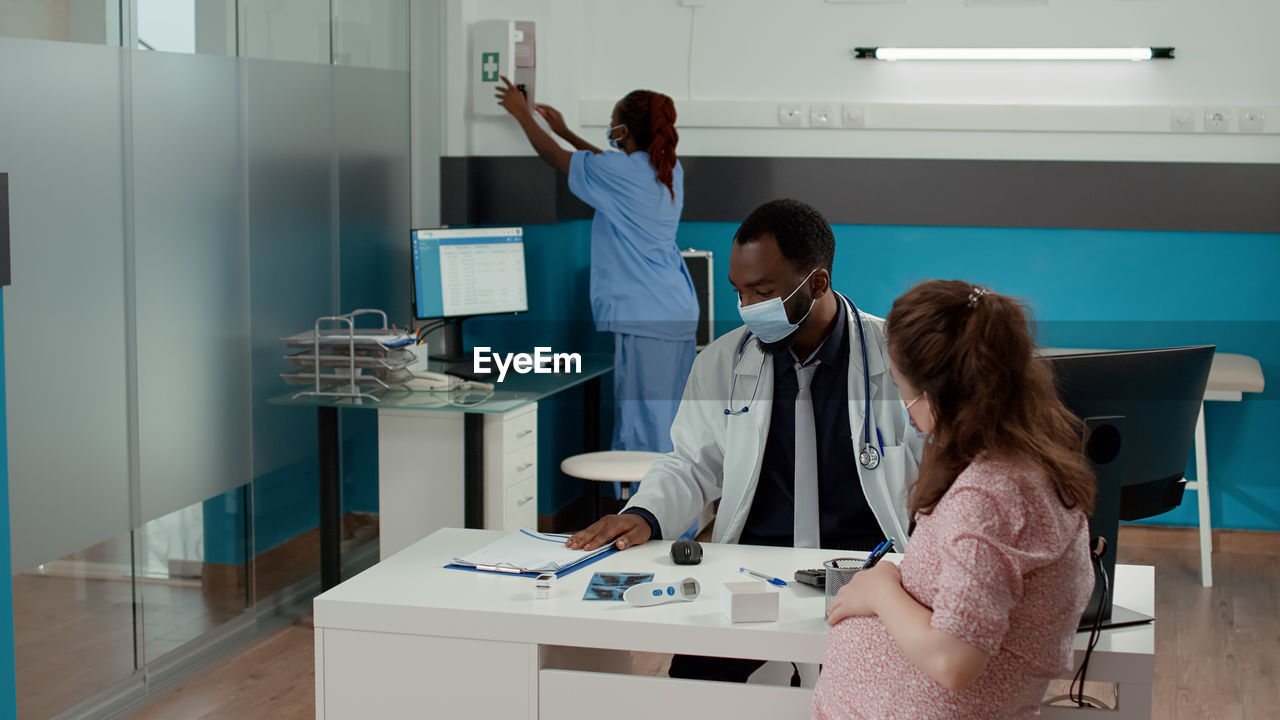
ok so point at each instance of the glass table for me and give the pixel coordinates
(514, 392)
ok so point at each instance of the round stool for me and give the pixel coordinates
(621, 466)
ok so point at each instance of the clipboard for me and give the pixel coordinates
(519, 554)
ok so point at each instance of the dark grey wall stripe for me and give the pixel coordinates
(1222, 197)
(4, 229)
(505, 190)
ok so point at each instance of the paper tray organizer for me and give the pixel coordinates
(337, 359)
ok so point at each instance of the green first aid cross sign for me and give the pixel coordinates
(489, 67)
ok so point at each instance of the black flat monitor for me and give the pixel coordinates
(459, 273)
(1141, 408)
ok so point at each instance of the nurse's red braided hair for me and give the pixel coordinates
(650, 117)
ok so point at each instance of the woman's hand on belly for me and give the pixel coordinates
(865, 591)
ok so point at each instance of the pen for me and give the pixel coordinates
(767, 578)
(880, 439)
(878, 553)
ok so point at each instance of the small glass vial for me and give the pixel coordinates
(542, 586)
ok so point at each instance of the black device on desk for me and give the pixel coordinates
(816, 577)
(1140, 407)
(457, 273)
(686, 552)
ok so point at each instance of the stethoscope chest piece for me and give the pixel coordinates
(869, 457)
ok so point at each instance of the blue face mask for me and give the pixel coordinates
(608, 135)
(768, 320)
(911, 423)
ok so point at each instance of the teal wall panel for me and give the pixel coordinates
(1101, 289)
(557, 263)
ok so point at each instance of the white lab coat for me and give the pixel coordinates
(719, 456)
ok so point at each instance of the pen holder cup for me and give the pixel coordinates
(839, 572)
(419, 364)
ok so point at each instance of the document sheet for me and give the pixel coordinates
(528, 551)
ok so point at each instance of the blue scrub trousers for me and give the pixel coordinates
(648, 381)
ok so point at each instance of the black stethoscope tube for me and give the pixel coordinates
(868, 456)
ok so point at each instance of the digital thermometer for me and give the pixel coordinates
(656, 593)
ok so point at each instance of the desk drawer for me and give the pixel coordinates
(510, 459)
(518, 465)
(575, 695)
(519, 431)
(520, 508)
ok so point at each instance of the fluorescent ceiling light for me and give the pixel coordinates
(1131, 53)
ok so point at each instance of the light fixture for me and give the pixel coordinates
(971, 53)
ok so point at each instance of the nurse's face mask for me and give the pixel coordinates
(768, 320)
(616, 144)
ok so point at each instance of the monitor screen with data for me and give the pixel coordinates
(461, 272)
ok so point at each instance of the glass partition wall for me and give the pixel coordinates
(190, 180)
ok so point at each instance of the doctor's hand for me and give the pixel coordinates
(554, 119)
(627, 530)
(864, 593)
(510, 98)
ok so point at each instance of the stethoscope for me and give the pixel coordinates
(868, 456)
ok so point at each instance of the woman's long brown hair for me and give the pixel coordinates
(650, 117)
(970, 351)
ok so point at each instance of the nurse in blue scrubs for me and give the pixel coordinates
(640, 288)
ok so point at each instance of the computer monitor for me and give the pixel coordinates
(1141, 408)
(463, 272)
(459, 273)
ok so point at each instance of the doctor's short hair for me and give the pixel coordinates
(804, 237)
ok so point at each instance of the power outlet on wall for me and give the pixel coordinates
(1217, 120)
(1251, 120)
(791, 115)
(854, 116)
(822, 116)
(1182, 119)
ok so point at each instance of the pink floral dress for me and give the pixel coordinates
(1005, 567)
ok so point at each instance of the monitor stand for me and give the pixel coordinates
(453, 359)
(450, 351)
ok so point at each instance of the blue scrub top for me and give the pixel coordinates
(639, 282)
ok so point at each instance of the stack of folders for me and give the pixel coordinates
(529, 554)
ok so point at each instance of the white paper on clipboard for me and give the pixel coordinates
(528, 551)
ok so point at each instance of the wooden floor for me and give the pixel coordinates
(274, 679)
(74, 626)
(1217, 649)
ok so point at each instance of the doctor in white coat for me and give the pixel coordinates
(728, 432)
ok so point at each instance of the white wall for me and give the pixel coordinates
(762, 52)
(560, 47)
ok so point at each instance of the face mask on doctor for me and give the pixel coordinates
(768, 320)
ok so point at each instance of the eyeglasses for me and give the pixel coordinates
(914, 400)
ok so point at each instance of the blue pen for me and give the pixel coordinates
(880, 439)
(762, 576)
(878, 553)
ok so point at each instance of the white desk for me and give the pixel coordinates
(409, 639)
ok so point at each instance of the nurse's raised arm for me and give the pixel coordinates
(555, 121)
(513, 101)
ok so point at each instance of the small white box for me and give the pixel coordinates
(749, 602)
